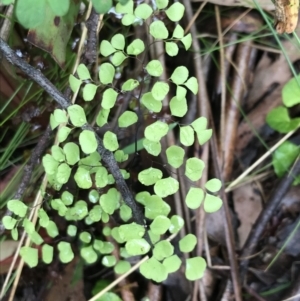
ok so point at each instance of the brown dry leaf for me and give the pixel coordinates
(248, 205)
(265, 4)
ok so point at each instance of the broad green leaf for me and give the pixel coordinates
(153, 148)
(143, 11)
(161, 4)
(291, 92)
(166, 187)
(102, 117)
(91, 160)
(57, 153)
(130, 84)
(83, 72)
(284, 156)
(175, 12)
(192, 84)
(118, 58)
(63, 133)
(60, 115)
(213, 185)
(85, 237)
(53, 123)
(178, 32)
(120, 156)
(151, 103)
(172, 263)
(103, 247)
(66, 254)
(96, 213)
(74, 83)
(63, 173)
(137, 246)
(110, 201)
(122, 267)
(177, 222)
(187, 41)
(126, 8)
(180, 75)
(175, 155)
(180, 93)
(50, 164)
(125, 212)
(88, 254)
(204, 136)
(118, 41)
(72, 230)
(89, 92)
(116, 236)
(14, 234)
(162, 250)
(136, 47)
(52, 229)
(80, 210)
(77, 115)
(30, 13)
(82, 178)
(128, 19)
(153, 269)
(71, 151)
(156, 131)
(106, 73)
(279, 119)
(103, 6)
(106, 49)
(30, 256)
(194, 168)
(212, 203)
(110, 141)
(131, 231)
(187, 243)
(58, 205)
(194, 198)
(160, 225)
(195, 268)
(178, 107)
(17, 207)
(154, 68)
(186, 135)
(109, 98)
(109, 260)
(101, 177)
(153, 237)
(199, 124)
(9, 222)
(172, 48)
(47, 253)
(155, 206)
(28, 226)
(67, 198)
(127, 119)
(158, 30)
(36, 238)
(150, 176)
(160, 90)
(88, 141)
(59, 7)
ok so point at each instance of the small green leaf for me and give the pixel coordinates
(57, 153)
(71, 151)
(128, 19)
(291, 92)
(106, 73)
(110, 141)
(153, 148)
(178, 107)
(130, 85)
(89, 92)
(109, 260)
(138, 246)
(172, 263)
(36, 238)
(151, 103)
(28, 226)
(47, 253)
(60, 115)
(187, 41)
(177, 222)
(74, 83)
(125, 212)
(127, 119)
(155, 206)
(53, 123)
(30, 256)
(172, 48)
(110, 201)
(160, 90)
(120, 156)
(106, 49)
(101, 177)
(85, 237)
(161, 4)
(17, 207)
(150, 176)
(63, 173)
(180, 74)
(52, 229)
(143, 11)
(118, 58)
(213, 185)
(195, 268)
(175, 155)
(199, 124)
(14, 234)
(194, 198)
(118, 41)
(72, 230)
(102, 117)
(122, 267)
(77, 115)
(88, 254)
(9, 222)
(131, 231)
(153, 269)
(175, 12)
(94, 196)
(159, 30)
(194, 168)
(163, 249)
(187, 243)
(50, 164)
(165, 187)
(181, 93)
(192, 84)
(160, 225)
(156, 131)
(126, 8)
(103, 6)
(204, 136)
(212, 203)
(88, 141)
(154, 68)
(178, 32)
(82, 178)
(109, 98)
(96, 213)
(136, 47)
(63, 133)
(186, 135)
(67, 198)
(66, 254)
(83, 72)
